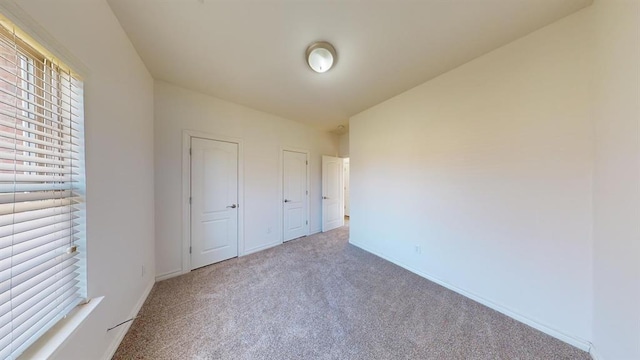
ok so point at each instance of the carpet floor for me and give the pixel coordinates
(321, 298)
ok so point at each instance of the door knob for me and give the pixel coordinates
(233, 206)
(324, 197)
(285, 200)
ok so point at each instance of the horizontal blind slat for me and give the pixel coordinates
(6, 287)
(10, 118)
(10, 208)
(35, 233)
(60, 237)
(64, 77)
(42, 210)
(5, 339)
(71, 154)
(67, 302)
(11, 188)
(32, 142)
(32, 250)
(24, 303)
(31, 269)
(5, 313)
(35, 168)
(32, 215)
(34, 315)
(31, 178)
(60, 277)
(33, 196)
(60, 99)
(12, 156)
(34, 224)
(64, 119)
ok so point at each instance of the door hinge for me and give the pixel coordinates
(189, 151)
(306, 162)
(189, 249)
(189, 200)
(307, 192)
(306, 222)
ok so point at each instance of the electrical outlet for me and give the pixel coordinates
(418, 249)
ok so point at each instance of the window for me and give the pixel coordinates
(42, 257)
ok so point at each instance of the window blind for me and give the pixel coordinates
(41, 193)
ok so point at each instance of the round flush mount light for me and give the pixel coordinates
(321, 56)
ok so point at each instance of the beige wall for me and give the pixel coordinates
(263, 136)
(488, 169)
(344, 145)
(616, 325)
(119, 165)
(491, 169)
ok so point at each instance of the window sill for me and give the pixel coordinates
(47, 345)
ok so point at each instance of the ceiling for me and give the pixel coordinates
(252, 52)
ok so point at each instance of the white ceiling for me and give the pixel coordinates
(252, 52)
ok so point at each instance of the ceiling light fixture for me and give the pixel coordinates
(321, 56)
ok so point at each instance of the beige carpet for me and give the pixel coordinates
(321, 298)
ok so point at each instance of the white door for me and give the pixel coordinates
(295, 195)
(214, 201)
(346, 187)
(332, 197)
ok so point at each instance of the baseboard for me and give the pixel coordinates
(260, 248)
(168, 275)
(315, 231)
(111, 350)
(571, 340)
(268, 246)
(594, 354)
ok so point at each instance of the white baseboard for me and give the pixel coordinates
(315, 231)
(122, 330)
(594, 354)
(168, 275)
(260, 248)
(571, 340)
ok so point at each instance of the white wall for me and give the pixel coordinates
(488, 169)
(343, 145)
(119, 161)
(263, 136)
(616, 333)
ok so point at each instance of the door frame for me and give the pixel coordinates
(186, 192)
(281, 192)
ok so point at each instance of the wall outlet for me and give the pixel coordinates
(418, 249)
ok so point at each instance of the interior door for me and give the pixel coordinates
(295, 219)
(346, 186)
(332, 196)
(214, 201)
